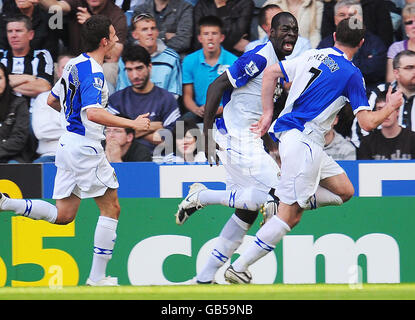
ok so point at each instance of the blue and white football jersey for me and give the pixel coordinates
(322, 82)
(242, 105)
(82, 86)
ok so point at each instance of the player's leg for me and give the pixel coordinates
(229, 240)
(267, 237)
(256, 172)
(30, 208)
(63, 213)
(334, 188)
(104, 237)
(67, 202)
(67, 209)
(339, 185)
(253, 185)
(199, 196)
(300, 174)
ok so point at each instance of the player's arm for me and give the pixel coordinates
(103, 117)
(369, 120)
(269, 82)
(54, 102)
(154, 125)
(213, 98)
(151, 135)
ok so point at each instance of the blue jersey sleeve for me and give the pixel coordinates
(247, 67)
(91, 90)
(356, 93)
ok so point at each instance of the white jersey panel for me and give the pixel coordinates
(82, 86)
(242, 106)
(322, 82)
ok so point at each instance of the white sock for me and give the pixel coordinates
(104, 241)
(266, 239)
(248, 199)
(33, 209)
(229, 240)
(322, 198)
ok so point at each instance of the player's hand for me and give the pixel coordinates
(142, 122)
(82, 15)
(210, 149)
(261, 127)
(395, 99)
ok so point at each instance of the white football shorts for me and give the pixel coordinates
(246, 163)
(303, 164)
(82, 168)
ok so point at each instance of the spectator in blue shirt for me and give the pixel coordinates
(167, 70)
(203, 66)
(143, 96)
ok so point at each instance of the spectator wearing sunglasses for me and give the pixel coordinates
(408, 18)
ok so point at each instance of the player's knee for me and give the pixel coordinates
(294, 221)
(64, 218)
(253, 198)
(347, 193)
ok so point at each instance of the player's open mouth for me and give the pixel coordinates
(210, 45)
(288, 46)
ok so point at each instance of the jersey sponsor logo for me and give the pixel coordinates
(251, 68)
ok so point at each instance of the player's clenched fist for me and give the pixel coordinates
(142, 122)
(395, 99)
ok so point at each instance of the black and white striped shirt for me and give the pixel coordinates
(406, 117)
(38, 63)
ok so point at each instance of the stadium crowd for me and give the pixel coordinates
(168, 53)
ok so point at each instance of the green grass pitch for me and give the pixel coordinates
(218, 292)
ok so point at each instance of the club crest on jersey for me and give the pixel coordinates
(98, 83)
(251, 68)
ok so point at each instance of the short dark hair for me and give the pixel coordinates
(211, 21)
(350, 32)
(96, 28)
(135, 52)
(276, 19)
(263, 12)
(381, 97)
(396, 63)
(20, 18)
